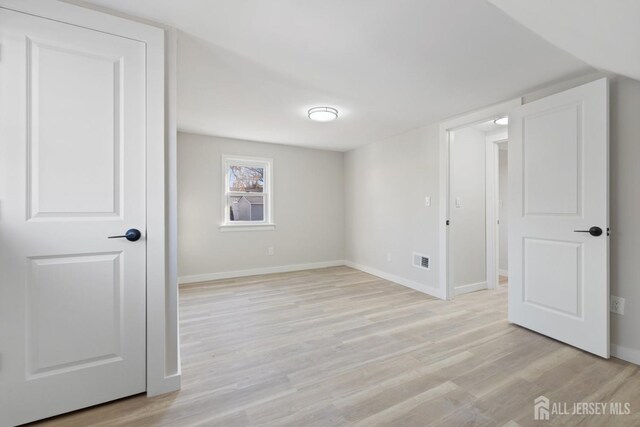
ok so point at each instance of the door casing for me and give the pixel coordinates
(493, 208)
(163, 368)
(483, 115)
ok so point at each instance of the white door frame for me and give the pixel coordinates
(500, 145)
(493, 206)
(161, 377)
(479, 116)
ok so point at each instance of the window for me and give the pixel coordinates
(247, 193)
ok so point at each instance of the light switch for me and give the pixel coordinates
(458, 202)
(427, 201)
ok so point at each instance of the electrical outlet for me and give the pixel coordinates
(617, 305)
(427, 201)
(270, 251)
(388, 256)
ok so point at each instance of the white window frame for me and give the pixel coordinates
(267, 223)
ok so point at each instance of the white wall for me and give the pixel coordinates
(308, 209)
(625, 212)
(385, 188)
(503, 213)
(370, 233)
(467, 234)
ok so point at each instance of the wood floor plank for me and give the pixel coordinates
(338, 347)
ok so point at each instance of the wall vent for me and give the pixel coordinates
(421, 261)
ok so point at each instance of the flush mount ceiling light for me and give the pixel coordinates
(322, 114)
(502, 121)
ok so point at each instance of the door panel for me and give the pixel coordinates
(73, 113)
(57, 297)
(558, 186)
(557, 290)
(72, 165)
(552, 184)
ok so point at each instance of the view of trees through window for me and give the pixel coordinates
(246, 179)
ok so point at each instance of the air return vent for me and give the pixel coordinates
(421, 261)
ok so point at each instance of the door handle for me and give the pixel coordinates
(131, 235)
(594, 231)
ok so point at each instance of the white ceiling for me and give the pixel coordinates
(603, 33)
(250, 69)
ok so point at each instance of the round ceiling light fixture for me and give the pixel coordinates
(502, 121)
(322, 114)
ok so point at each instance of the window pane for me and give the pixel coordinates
(248, 179)
(246, 208)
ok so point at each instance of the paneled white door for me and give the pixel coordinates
(72, 173)
(559, 216)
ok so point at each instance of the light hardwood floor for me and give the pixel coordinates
(336, 347)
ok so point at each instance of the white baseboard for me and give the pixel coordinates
(625, 353)
(427, 289)
(471, 287)
(421, 287)
(502, 272)
(257, 271)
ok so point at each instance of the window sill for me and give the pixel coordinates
(247, 227)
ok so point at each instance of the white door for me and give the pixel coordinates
(558, 189)
(72, 165)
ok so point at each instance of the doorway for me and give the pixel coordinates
(488, 226)
(503, 213)
(477, 256)
(82, 309)
(558, 214)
